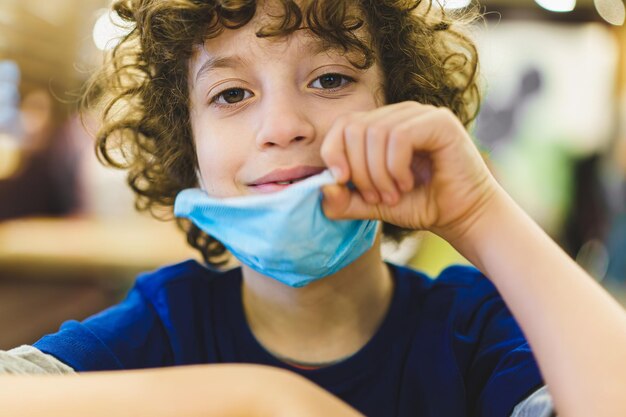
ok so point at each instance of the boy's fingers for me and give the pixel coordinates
(336, 199)
(399, 156)
(421, 135)
(386, 176)
(333, 151)
(377, 166)
(431, 131)
(354, 135)
(340, 202)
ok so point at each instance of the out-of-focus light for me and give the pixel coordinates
(557, 5)
(454, 4)
(109, 29)
(10, 155)
(9, 97)
(613, 11)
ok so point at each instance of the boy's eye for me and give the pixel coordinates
(231, 96)
(331, 81)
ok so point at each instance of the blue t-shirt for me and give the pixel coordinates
(447, 347)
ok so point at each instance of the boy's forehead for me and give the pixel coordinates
(244, 43)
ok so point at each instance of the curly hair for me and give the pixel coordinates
(142, 91)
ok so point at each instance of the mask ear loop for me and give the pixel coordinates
(200, 181)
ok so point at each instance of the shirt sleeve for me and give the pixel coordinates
(28, 360)
(129, 335)
(498, 365)
(538, 404)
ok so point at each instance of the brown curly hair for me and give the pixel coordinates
(142, 89)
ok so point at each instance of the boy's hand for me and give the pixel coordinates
(413, 165)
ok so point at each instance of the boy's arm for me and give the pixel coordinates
(577, 331)
(421, 158)
(201, 390)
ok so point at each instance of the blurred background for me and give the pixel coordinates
(553, 123)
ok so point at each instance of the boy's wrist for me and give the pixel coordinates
(478, 232)
(467, 232)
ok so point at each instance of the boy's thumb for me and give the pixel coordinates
(340, 202)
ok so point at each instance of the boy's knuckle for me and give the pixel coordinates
(397, 135)
(375, 131)
(353, 131)
(408, 104)
(416, 105)
(445, 113)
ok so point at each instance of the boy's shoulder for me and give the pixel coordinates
(454, 278)
(465, 281)
(459, 290)
(188, 275)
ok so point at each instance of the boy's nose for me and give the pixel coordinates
(283, 122)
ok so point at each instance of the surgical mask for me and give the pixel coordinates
(284, 235)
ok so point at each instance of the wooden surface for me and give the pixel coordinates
(66, 249)
(53, 270)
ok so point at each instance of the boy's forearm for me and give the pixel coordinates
(577, 331)
(226, 390)
(219, 390)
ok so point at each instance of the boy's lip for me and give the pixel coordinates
(288, 174)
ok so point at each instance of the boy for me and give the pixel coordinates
(253, 102)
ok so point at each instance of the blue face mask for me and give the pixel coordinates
(284, 235)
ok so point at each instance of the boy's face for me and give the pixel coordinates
(259, 105)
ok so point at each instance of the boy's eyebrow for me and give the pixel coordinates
(233, 61)
(218, 62)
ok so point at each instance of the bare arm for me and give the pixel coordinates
(436, 179)
(201, 390)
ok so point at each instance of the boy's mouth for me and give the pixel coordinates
(288, 182)
(282, 178)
